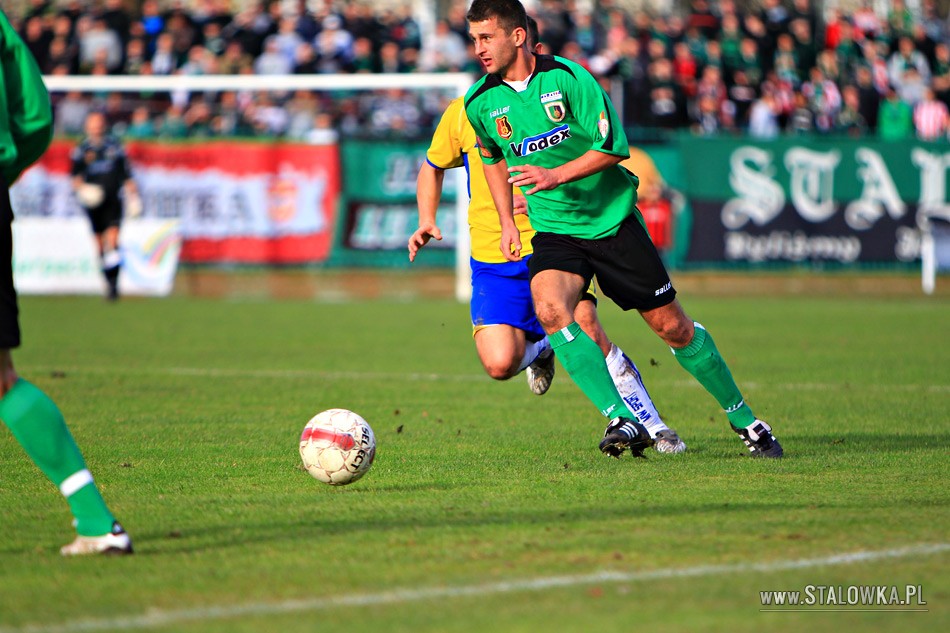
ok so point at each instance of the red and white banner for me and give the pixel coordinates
(236, 202)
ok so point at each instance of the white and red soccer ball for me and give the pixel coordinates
(337, 447)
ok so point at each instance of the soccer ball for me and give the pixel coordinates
(337, 447)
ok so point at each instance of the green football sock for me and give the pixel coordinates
(584, 361)
(39, 427)
(701, 359)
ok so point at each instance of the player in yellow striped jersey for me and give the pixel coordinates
(508, 337)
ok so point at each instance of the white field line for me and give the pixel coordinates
(303, 374)
(156, 618)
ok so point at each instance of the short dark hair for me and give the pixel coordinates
(510, 14)
(534, 35)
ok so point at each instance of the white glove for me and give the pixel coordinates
(90, 195)
(133, 206)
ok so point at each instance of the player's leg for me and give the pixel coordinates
(508, 337)
(38, 426)
(694, 349)
(628, 380)
(631, 272)
(501, 350)
(111, 258)
(559, 275)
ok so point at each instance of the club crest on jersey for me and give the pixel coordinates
(484, 151)
(541, 142)
(503, 127)
(603, 125)
(555, 111)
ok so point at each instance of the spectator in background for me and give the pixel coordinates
(305, 60)
(900, 19)
(37, 39)
(667, 102)
(850, 121)
(61, 54)
(364, 57)
(301, 109)
(141, 125)
(905, 60)
(152, 23)
(71, 112)
(272, 61)
(444, 51)
(730, 41)
(98, 43)
(940, 81)
(801, 122)
(117, 19)
(165, 60)
(895, 118)
(911, 90)
(868, 96)
(786, 59)
(135, 56)
(287, 39)
(742, 96)
(866, 22)
(322, 131)
(213, 39)
(802, 10)
(334, 46)
(763, 122)
(824, 100)
(931, 117)
(234, 61)
(702, 19)
(806, 51)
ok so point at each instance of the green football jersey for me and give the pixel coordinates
(562, 114)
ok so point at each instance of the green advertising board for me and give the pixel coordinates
(378, 206)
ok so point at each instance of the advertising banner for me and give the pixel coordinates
(812, 200)
(235, 202)
(380, 213)
(59, 256)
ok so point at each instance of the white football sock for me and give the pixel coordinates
(627, 379)
(532, 351)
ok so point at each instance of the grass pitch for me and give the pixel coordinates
(488, 508)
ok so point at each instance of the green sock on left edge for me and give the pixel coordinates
(38, 426)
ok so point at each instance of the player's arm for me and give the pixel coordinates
(428, 193)
(541, 179)
(496, 174)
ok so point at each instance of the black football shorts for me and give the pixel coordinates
(9, 322)
(628, 267)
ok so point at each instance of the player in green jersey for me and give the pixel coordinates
(544, 124)
(26, 125)
(508, 337)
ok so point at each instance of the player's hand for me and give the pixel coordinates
(421, 237)
(511, 243)
(524, 176)
(521, 205)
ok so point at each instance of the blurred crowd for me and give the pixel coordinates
(777, 68)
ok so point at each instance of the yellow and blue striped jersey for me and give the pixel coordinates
(453, 145)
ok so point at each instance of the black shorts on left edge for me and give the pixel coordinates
(628, 267)
(9, 313)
